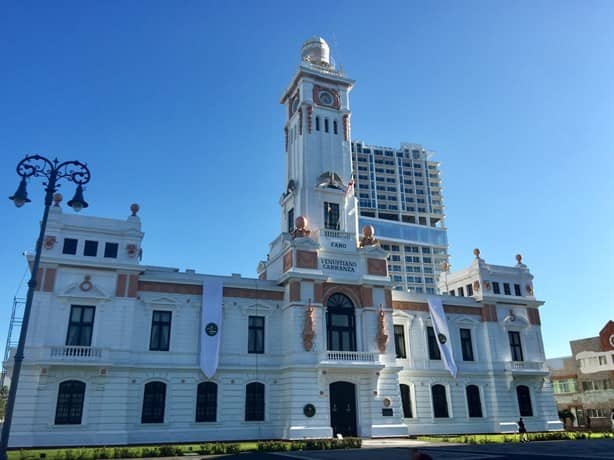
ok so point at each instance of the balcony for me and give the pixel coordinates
(350, 360)
(353, 356)
(76, 353)
(526, 367)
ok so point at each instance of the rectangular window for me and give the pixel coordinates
(70, 246)
(291, 220)
(517, 290)
(331, 216)
(110, 250)
(461, 291)
(326, 125)
(469, 289)
(466, 344)
(317, 123)
(433, 346)
(495, 288)
(399, 341)
(90, 248)
(80, 326)
(506, 289)
(160, 331)
(255, 337)
(515, 345)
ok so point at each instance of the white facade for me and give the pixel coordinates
(308, 350)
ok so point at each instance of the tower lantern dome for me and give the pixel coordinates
(316, 51)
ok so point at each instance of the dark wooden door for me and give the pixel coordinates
(343, 408)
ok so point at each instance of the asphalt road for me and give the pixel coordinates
(542, 450)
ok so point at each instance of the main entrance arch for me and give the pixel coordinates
(343, 408)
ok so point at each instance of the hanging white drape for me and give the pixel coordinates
(442, 334)
(211, 325)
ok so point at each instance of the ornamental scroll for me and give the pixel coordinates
(308, 329)
(382, 337)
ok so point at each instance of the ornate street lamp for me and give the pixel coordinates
(53, 171)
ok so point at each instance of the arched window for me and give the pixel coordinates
(524, 401)
(254, 402)
(406, 400)
(335, 129)
(340, 323)
(206, 402)
(154, 399)
(440, 402)
(326, 125)
(473, 401)
(317, 123)
(69, 409)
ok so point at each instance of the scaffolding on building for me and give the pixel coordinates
(12, 338)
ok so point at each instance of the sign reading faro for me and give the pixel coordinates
(338, 265)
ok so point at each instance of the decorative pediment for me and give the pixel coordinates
(162, 301)
(85, 289)
(466, 320)
(513, 320)
(256, 309)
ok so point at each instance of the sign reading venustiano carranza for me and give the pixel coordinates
(338, 265)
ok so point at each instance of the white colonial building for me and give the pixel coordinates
(320, 344)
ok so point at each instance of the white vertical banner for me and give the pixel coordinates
(442, 334)
(211, 325)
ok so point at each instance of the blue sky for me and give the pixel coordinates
(174, 105)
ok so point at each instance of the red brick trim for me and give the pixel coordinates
(174, 288)
(295, 291)
(49, 284)
(366, 296)
(306, 259)
(353, 292)
(39, 279)
(450, 309)
(534, 318)
(133, 281)
(377, 267)
(288, 260)
(318, 292)
(489, 313)
(120, 285)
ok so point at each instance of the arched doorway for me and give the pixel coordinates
(340, 323)
(343, 408)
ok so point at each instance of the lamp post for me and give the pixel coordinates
(53, 171)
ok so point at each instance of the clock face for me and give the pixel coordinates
(326, 98)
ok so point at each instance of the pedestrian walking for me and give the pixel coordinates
(522, 430)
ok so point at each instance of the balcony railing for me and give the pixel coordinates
(71, 352)
(360, 356)
(527, 365)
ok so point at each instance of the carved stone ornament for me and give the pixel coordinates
(368, 236)
(476, 286)
(308, 329)
(529, 289)
(86, 284)
(132, 250)
(487, 285)
(50, 241)
(301, 230)
(382, 337)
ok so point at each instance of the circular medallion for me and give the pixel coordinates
(611, 340)
(442, 338)
(387, 402)
(309, 410)
(326, 98)
(211, 329)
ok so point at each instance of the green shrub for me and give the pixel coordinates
(233, 449)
